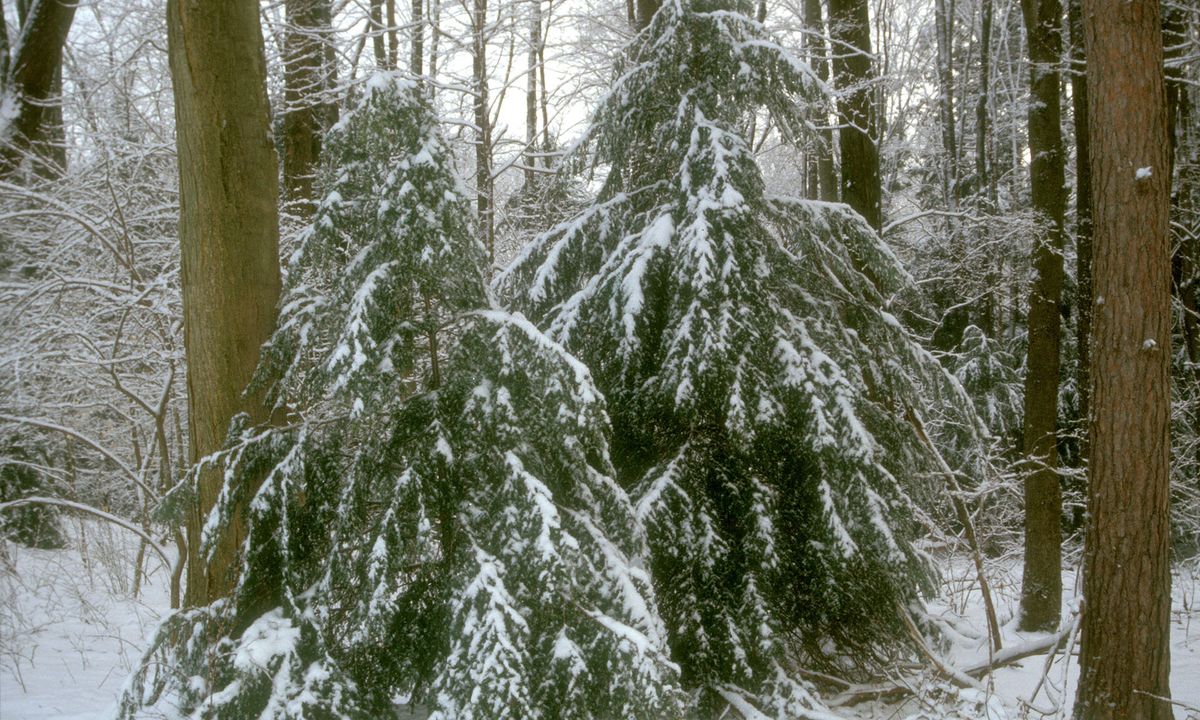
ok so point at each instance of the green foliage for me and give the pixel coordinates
(438, 524)
(35, 526)
(757, 384)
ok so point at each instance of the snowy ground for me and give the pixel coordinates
(70, 631)
(70, 628)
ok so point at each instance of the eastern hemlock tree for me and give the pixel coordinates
(989, 375)
(438, 524)
(757, 386)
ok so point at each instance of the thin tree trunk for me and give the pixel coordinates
(435, 25)
(417, 56)
(228, 236)
(982, 127)
(483, 132)
(850, 28)
(945, 62)
(531, 95)
(393, 51)
(826, 173)
(1041, 590)
(1125, 647)
(1179, 108)
(34, 79)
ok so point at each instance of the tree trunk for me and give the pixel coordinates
(826, 173)
(945, 63)
(850, 27)
(983, 167)
(393, 51)
(228, 237)
(1083, 220)
(483, 131)
(378, 43)
(34, 78)
(417, 56)
(531, 97)
(1041, 591)
(305, 112)
(1125, 648)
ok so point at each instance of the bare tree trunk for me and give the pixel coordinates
(826, 173)
(1125, 649)
(34, 79)
(483, 131)
(531, 95)
(228, 236)
(645, 12)
(1083, 220)
(306, 111)
(945, 63)
(1041, 590)
(378, 43)
(417, 56)
(850, 28)
(393, 52)
(983, 167)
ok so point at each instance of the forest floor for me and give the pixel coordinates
(71, 630)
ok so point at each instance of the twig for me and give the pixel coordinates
(95, 512)
(968, 527)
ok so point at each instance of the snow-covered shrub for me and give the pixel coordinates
(757, 385)
(438, 517)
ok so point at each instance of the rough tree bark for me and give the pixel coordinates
(1041, 590)
(228, 236)
(33, 77)
(306, 112)
(862, 189)
(1083, 220)
(1125, 649)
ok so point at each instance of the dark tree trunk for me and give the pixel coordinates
(826, 173)
(1186, 254)
(34, 76)
(983, 131)
(1125, 651)
(1041, 590)
(945, 63)
(378, 41)
(228, 237)
(483, 131)
(1083, 221)
(306, 111)
(417, 55)
(645, 11)
(850, 28)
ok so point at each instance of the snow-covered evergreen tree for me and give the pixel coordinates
(758, 387)
(441, 524)
(989, 375)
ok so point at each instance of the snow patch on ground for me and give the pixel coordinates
(70, 628)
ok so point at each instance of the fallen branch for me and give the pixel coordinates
(905, 685)
(964, 517)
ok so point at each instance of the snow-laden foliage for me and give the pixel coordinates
(990, 376)
(432, 523)
(758, 387)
